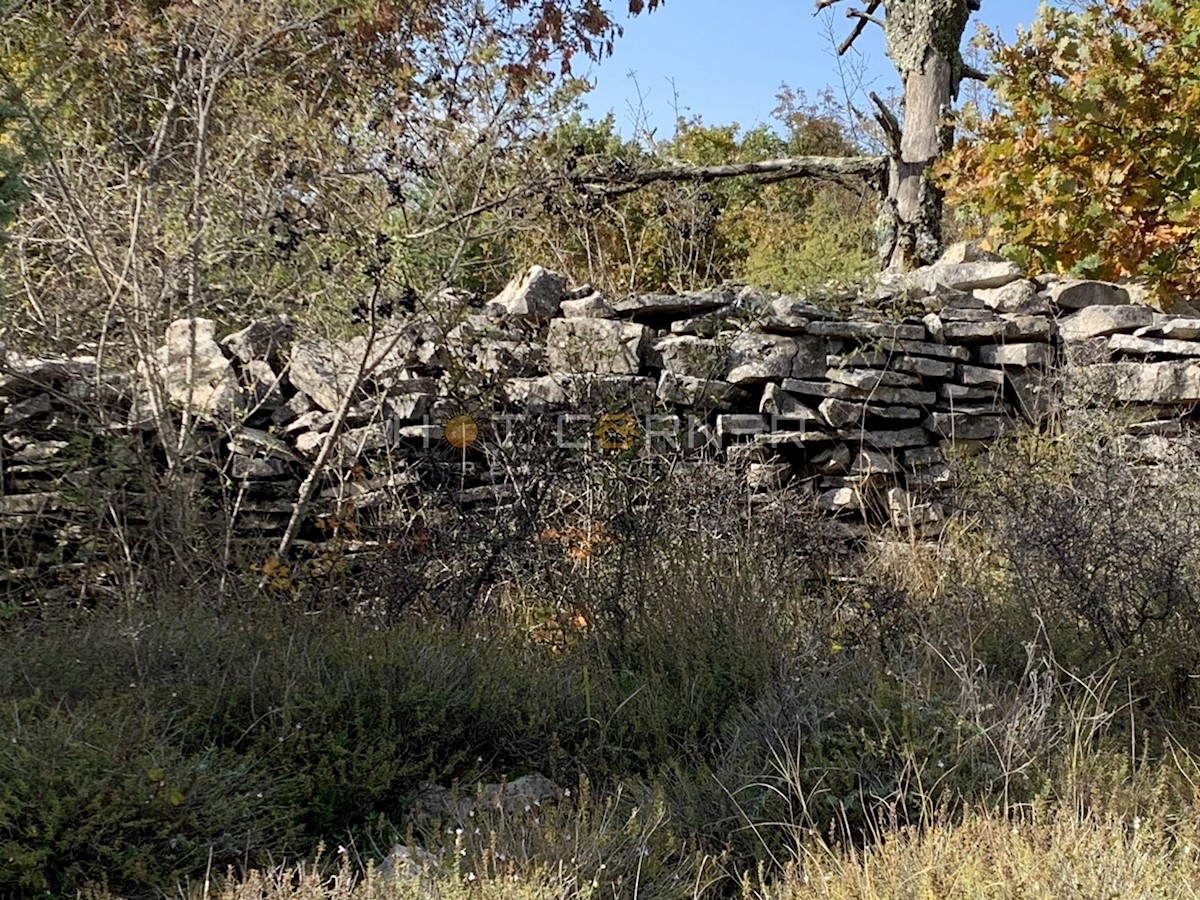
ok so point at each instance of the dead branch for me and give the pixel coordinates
(890, 124)
(836, 168)
(860, 25)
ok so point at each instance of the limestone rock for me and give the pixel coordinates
(641, 306)
(706, 325)
(892, 439)
(260, 340)
(909, 365)
(868, 330)
(797, 437)
(1018, 328)
(870, 379)
(802, 307)
(593, 306)
(536, 294)
(842, 500)
(37, 452)
(1019, 356)
(196, 373)
(966, 426)
(840, 413)
(1180, 329)
(599, 346)
(966, 252)
(1164, 383)
(25, 411)
(535, 394)
(924, 348)
(1080, 294)
(1101, 321)
(873, 462)
(961, 393)
(510, 358)
(262, 386)
(758, 358)
(811, 355)
(834, 460)
(372, 438)
(779, 404)
(19, 506)
(387, 355)
(691, 391)
(974, 376)
(967, 314)
(245, 468)
(1027, 327)
(324, 370)
(895, 396)
(693, 356)
(969, 276)
(255, 442)
(906, 511)
(736, 425)
(1141, 346)
(923, 456)
(1017, 297)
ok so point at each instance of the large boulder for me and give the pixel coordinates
(327, 370)
(696, 357)
(324, 370)
(1069, 294)
(758, 358)
(1164, 383)
(195, 372)
(597, 346)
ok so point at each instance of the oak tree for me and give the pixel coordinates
(1090, 161)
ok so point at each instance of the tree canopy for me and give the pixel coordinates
(1091, 161)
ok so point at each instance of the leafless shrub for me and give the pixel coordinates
(1103, 541)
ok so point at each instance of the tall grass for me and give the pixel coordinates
(723, 708)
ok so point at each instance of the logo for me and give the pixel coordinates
(461, 432)
(617, 432)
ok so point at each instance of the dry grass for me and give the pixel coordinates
(1046, 854)
(1040, 852)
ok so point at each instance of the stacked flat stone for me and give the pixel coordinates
(859, 408)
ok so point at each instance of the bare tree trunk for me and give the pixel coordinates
(923, 40)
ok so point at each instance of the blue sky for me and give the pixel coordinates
(725, 60)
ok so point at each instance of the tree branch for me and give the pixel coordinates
(860, 25)
(868, 168)
(890, 124)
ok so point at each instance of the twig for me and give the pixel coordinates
(860, 25)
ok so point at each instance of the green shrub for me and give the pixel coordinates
(105, 794)
(135, 744)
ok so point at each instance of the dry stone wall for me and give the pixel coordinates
(822, 394)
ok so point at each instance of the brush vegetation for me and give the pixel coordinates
(725, 710)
